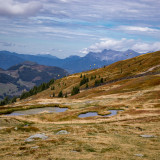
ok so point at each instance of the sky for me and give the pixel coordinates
(75, 27)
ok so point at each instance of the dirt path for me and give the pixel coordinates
(151, 69)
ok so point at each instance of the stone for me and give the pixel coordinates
(35, 147)
(147, 136)
(74, 151)
(139, 155)
(62, 132)
(16, 128)
(36, 136)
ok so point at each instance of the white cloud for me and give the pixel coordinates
(139, 29)
(105, 9)
(122, 45)
(146, 47)
(15, 8)
(80, 22)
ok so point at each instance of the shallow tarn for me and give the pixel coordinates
(37, 111)
(92, 114)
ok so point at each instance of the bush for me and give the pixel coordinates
(84, 80)
(5, 101)
(14, 99)
(101, 80)
(92, 77)
(25, 95)
(86, 85)
(75, 90)
(97, 82)
(51, 82)
(60, 94)
(52, 88)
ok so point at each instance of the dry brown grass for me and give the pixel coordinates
(106, 140)
(134, 66)
(93, 138)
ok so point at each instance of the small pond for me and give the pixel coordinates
(37, 111)
(91, 114)
(88, 114)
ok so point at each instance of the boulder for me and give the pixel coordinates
(62, 132)
(36, 136)
(139, 155)
(148, 136)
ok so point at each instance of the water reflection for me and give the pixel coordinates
(92, 114)
(37, 111)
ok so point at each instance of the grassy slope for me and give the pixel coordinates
(128, 67)
(117, 137)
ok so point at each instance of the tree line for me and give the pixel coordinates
(33, 91)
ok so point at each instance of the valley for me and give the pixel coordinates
(24, 76)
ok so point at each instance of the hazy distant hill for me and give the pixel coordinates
(8, 59)
(111, 55)
(72, 64)
(26, 75)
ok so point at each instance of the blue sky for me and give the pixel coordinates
(76, 27)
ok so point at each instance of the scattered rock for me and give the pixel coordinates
(16, 128)
(74, 151)
(139, 128)
(139, 155)
(35, 147)
(62, 132)
(36, 136)
(148, 136)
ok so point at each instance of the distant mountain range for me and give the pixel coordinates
(24, 76)
(72, 64)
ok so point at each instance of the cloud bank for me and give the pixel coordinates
(122, 45)
(71, 25)
(14, 8)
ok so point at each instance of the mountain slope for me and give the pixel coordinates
(113, 56)
(8, 59)
(145, 65)
(73, 64)
(26, 75)
(130, 91)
